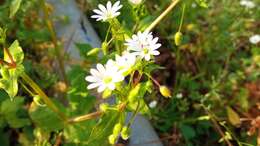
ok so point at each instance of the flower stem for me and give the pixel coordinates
(44, 97)
(182, 17)
(85, 117)
(167, 11)
(50, 27)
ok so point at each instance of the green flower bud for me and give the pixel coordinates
(165, 91)
(104, 48)
(125, 134)
(106, 93)
(132, 97)
(117, 129)
(178, 38)
(112, 139)
(93, 51)
(104, 107)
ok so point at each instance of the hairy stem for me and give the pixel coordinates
(167, 11)
(85, 117)
(44, 97)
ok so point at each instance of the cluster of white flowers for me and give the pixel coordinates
(141, 46)
(255, 39)
(247, 3)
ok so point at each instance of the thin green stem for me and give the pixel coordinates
(131, 121)
(182, 17)
(164, 13)
(27, 89)
(44, 97)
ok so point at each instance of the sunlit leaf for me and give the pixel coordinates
(15, 5)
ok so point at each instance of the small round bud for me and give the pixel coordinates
(178, 38)
(117, 129)
(104, 107)
(125, 134)
(165, 91)
(112, 139)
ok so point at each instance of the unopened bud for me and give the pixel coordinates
(104, 107)
(117, 129)
(133, 93)
(165, 91)
(104, 47)
(112, 139)
(125, 134)
(178, 38)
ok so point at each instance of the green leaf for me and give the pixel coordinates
(187, 131)
(45, 118)
(9, 82)
(14, 113)
(233, 117)
(15, 5)
(16, 52)
(99, 134)
(80, 102)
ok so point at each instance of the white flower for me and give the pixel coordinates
(136, 2)
(143, 45)
(104, 77)
(179, 95)
(153, 104)
(125, 62)
(108, 12)
(247, 3)
(255, 39)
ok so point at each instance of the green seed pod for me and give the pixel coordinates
(93, 51)
(125, 134)
(104, 107)
(178, 38)
(132, 97)
(112, 139)
(117, 129)
(165, 91)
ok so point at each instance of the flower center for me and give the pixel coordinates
(107, 80)
(146, 51)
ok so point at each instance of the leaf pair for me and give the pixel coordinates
(9, 80)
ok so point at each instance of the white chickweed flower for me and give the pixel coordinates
(136, 2)
(247, 3)
(104, 77)
(153, 104)
(143, 45)
(125, 62)
(255, 39)
(108, 12)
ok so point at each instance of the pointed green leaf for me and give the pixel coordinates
(15, 5)
(16, 52)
